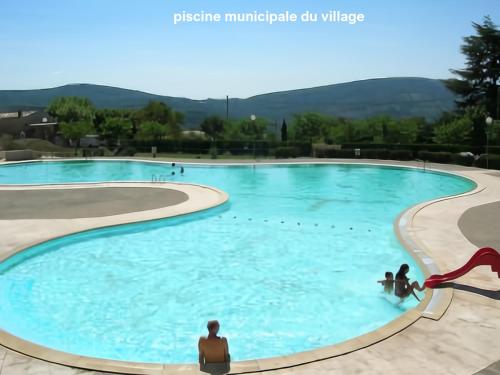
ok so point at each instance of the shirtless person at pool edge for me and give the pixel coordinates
(213, 349)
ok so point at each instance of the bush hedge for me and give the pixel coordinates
(436, 157)
(375, 154)
(286, 152)
(466, 160)
(126, 151)
(326, 151)
(400, 155)
(332, 152)
(494, 162)
(201, 146)
(415, 148)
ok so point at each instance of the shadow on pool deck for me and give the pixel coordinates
(493, 294)
(494, 369)
(84, 202)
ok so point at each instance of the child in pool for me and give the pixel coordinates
(403, 286)
(388, 283)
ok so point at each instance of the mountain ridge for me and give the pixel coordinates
(398, 97)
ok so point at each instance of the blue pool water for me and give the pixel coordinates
(289, 264)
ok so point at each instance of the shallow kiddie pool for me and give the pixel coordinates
(289, 264)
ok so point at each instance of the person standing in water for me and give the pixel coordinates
(402, 286)
(388, 283)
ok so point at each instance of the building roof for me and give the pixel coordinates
(15, 125)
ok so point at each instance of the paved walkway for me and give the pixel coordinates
(85, 202)
(481, 225)
(464, 341)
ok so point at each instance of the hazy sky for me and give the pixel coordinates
(134, 44)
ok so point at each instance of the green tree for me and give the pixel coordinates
(376, 127)
(74, 131)
(155, 111)
(245, 129)
(174, 126)
(358, 131)
(403, 131)
(161, 113)
(151, 130)
(457, 131)
(336, 130)
(213, 126)
(231, 131)
(308, 126)
(102, 115)
(284, 131)
(72, 109)
(253, 129)
(336, 134)
(478, 83)
(116, 128)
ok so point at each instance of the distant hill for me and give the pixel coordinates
(398, 97)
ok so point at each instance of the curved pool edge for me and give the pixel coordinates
(193, 204)
(402, 225)
(40, 352)
(436, 301)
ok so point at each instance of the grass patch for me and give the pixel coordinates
(36, 145)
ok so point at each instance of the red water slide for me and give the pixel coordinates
(483, 257)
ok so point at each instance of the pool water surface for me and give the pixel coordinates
(289, 264)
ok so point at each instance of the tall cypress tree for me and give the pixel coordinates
(284, 131)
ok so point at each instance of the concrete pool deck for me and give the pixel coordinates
(463, 341)
(37, 203)
(481, 225)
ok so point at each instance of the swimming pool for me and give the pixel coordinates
(289, 264)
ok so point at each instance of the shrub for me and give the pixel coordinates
(385, 154)
(200, 146)
(333, 152)
(286, 152)
(92, 152)
(466, 160)
(345, 154)
(494, 150)
(303, 148)
(436, 157)
(494, 162)
(400, 155)
(421, 147)
(126, 151)
(6, 142)
(213, 152)
(325, 151)
(375, 154)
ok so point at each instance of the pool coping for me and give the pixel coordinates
(438, 299)
(123, 218)
(433, 305)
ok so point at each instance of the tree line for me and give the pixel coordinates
(477, 89)
(478, 97)
(78, 117)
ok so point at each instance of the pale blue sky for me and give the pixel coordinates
(134, 44)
